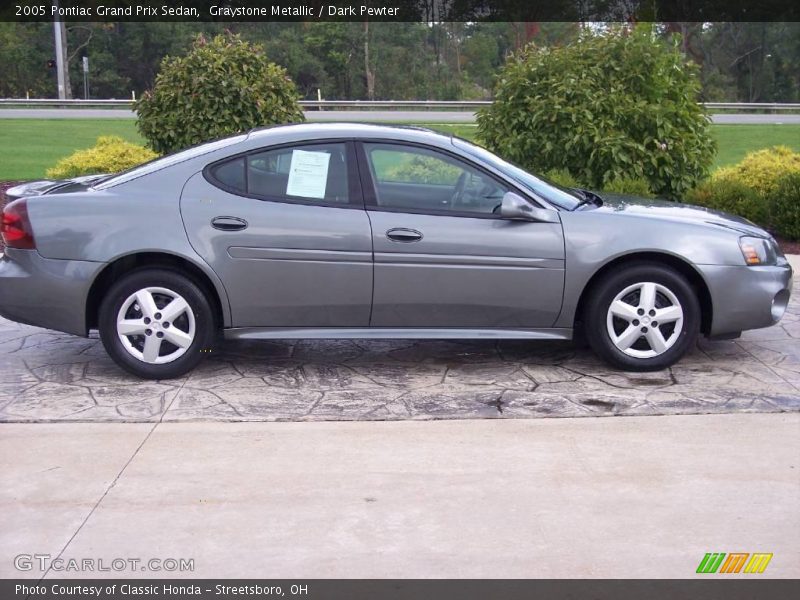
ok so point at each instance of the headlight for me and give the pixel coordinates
(758, 251)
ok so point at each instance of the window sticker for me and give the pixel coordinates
(308, 174)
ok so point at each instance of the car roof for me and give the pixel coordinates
(310, 131)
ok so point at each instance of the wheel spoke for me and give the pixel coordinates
(656, 340)
(146, 303)
(174, 309)
(152, 348)
(647, 297)
(131, 327)
(627, 338)
(623, 310)
(668, 314)
(178, 337)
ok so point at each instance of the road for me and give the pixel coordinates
(410, 116)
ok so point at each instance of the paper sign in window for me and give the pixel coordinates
(308, 174)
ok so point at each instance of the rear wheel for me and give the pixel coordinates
(643, 317)
(156, 323)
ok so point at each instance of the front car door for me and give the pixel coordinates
(285, 230)
(443, 257)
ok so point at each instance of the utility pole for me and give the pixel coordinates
(60, 32)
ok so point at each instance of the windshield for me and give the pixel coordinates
(165, 161)
(552, 192)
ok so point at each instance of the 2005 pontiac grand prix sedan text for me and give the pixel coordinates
(359, 231)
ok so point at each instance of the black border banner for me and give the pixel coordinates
(403, 10)
(713, 587)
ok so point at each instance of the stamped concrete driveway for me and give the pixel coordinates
(46, 376)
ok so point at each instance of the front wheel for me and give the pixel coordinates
(156, 323)
(643, 317)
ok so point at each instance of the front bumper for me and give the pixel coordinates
(45, 292)
(747, 297)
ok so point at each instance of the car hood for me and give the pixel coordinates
(676, 211)
(46, 186)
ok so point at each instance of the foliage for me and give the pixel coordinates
(761, 170)
(784, 203)
(733, 197)
(632, 186)
(563, 178)
(740, 61)
(622, 185)
(220, 87)
(109, 155)
(622, 104)
(422, 169)
(764, 188)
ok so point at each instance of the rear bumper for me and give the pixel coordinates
(747, 297)
(45, 292)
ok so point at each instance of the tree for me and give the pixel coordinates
(220, 87)
(614, 104)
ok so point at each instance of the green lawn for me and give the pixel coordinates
(29, 146)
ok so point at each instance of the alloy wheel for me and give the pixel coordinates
(156, 325)
(644, 320)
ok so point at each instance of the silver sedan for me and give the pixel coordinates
(361, 231)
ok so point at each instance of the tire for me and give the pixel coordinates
(147, 342)
(627, 305)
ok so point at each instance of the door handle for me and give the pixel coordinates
(401, 234)
(228, 223)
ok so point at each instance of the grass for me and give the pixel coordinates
(734, 141)
(30, 146)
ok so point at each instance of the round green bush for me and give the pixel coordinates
(731, 196)
(110, 154)
(220, 87)
(621, 104)
(784, 202)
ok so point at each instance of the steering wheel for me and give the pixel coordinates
(458, 191)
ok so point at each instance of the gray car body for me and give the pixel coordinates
(320, 271)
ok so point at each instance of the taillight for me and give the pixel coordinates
(15, 227)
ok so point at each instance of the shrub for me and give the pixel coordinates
(633, 186)
(220, 87)
(563, 178)
(620, 104)
(733, 197)
(423, 169)
(761, 170)
(784, 203)
(109, 155)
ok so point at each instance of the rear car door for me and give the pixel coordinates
(285, 230)
(443, 257)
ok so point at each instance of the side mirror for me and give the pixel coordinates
(515, 207)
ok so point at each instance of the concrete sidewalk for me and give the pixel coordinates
(618, 497)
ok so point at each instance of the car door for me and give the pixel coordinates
(285, 230)
(443, 257)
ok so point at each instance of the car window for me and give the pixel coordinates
(419, 179)
(552, 192)
(231, 174)
(310, 173)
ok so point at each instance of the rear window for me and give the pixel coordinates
(311, 173)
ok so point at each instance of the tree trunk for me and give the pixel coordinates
(65, 54)
(370, 75)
